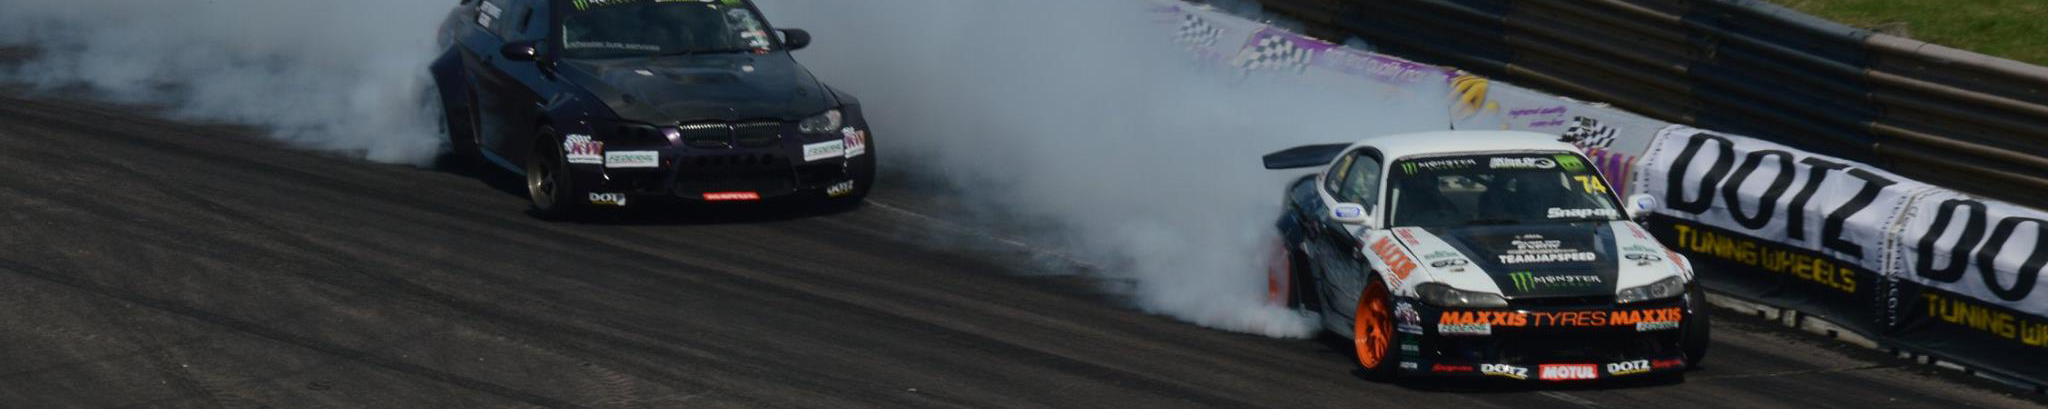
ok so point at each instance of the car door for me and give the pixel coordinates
(480, 59)
(1353, 178)
(512, 88)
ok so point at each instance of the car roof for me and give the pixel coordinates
(1398, 146)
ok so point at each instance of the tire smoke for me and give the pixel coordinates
(1084, 114)
(345, 76)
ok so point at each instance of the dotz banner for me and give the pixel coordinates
(1909, 263)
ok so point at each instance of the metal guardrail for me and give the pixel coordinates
(1965, 121)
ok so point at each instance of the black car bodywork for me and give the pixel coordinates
(700, 125)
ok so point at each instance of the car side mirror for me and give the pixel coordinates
(1351, 214)
(1640, 205)
(795, 38)
(521, 51)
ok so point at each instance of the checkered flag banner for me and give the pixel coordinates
(1196, 32)
(1274, 52)
(1589, 132)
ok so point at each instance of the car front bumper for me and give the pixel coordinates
(1542, 343)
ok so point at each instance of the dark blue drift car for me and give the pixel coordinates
(601, 103)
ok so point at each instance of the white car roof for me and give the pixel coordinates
(1398, 146)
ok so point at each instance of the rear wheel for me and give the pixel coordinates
(1696, 327)
(549, 182)
(1373, 331)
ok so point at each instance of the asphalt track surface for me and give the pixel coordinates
(153, 263)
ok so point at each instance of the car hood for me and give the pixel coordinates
(1537, 260)
(722, 87)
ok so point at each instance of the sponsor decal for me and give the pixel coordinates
(1628, 367)
(580, 150)
(731, 196)
(1648, 326)
(1441, 254)
(1568, 372)
(632, 159)
(1396, 260)
(487, 14)
(1410, 365)
(1407, 236)
(1406, 319)
(1350, 212)
(840, 189)
(824, 150)
(1522, 163)
(1414, 167)
(1464, 329)
(856, 142)
(1450, 263)
(608, 199)
(1571, 163)
(1441, 368)
(1411, 347)
(1663, 364)
(1536, 243)
(1547, 258)
(1541, 319)
(1638, 248)
(1563, 213)
(1765, 257)
(1528, 281)
(1504, 370)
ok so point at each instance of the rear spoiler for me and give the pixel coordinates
(1310, 156)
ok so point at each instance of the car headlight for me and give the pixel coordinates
(822, 124)
(1444, 296)
(1662, 289)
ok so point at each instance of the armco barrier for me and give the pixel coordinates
(1953, 118)
(1903, 265)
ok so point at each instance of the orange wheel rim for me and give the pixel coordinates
(1372, 331)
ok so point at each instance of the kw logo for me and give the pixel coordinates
(1571, 163)
(1524, 280)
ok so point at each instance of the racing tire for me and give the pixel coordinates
(1697, 326)
(1372, 332)
(549, 182)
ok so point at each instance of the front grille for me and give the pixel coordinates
(757, 135)
(706, 136)
(721, 135)
(1589, 302)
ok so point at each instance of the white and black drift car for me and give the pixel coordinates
(1482, 254)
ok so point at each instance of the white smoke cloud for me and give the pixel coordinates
(1078, 112)
(342, 76)
(1082, 113)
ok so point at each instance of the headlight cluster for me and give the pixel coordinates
(822, 124)
(1662, 289)
(1444, 296)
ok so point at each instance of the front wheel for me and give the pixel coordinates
(1696, 327)
(1373, 331)
(549, 182)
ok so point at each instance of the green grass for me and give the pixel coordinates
(2015, 29)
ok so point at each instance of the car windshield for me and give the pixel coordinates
(1515, 188)
(647, 28)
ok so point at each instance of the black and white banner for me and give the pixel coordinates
(1835, 207)
(1909, 263)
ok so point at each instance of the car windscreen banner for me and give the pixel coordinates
(1906, 262)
